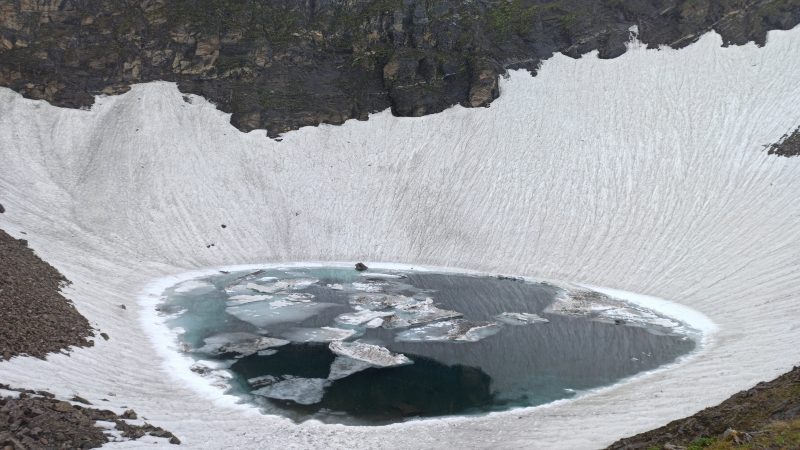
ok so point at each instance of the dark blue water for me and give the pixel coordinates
(445, 343)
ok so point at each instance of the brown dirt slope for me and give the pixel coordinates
(766, 416)
(35, 319)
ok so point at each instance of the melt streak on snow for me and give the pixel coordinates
(644, 173)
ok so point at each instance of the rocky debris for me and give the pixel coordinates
(788, 145)
(2, 210)
(736, 419)
(361, 267)
(30, 289)
(34, 420)
(285, 64)
(79, 399)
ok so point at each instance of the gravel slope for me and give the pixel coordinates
(36, 319)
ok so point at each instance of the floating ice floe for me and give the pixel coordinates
(244, 299)
(374, 323)
(379, 301)
(361, 317)
(373, 354)
(382, 276)
(343, 367)
(215, 371)
(304, 391)
(194, 285)
(243, 344)
(598, 306)
(282, 285)
(323, 334)
(512, 318)
(335, 286)
(371, 286)
(265, 380)
(417, 313)
(265, 313)
(450, 330)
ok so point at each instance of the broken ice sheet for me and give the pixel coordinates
(304, 391)
(373, 354)
(416, 313)
(343, 367)
(512, 318)
(282, 285)
(323, 334)
(194, 286)
(241, 343)
(450, 330)
(265, 313)
(244, 299)
(363, 316)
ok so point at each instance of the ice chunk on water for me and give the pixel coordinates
(363, 316)
(266, 289)
(244, 299)
(598, 306)
(303, 297)
(374, 323)
(512, 318)
(406, 311)
(263, 314)
(417, 313)
(373, 354)
(241, 343)
(304, 391)
(324, 334)
(372, 286)
(450, 330)
(335, 286)
(343, 367)
(282, 285)
(196, 286)
(266, 380)
(215, 371)
(381, 276)
(380, 301)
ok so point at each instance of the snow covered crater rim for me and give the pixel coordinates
(178, 364)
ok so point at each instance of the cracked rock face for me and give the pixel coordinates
(284, 64)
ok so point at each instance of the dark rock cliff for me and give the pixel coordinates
(284, 64)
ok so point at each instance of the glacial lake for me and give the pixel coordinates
(381, 346)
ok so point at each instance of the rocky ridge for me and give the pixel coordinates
(787, 145)
(746, 416)
(284, 64)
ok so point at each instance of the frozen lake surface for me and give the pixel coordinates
(342, 346)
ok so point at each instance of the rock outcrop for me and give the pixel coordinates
(284, 64)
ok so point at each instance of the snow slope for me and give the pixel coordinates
(644, 173)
